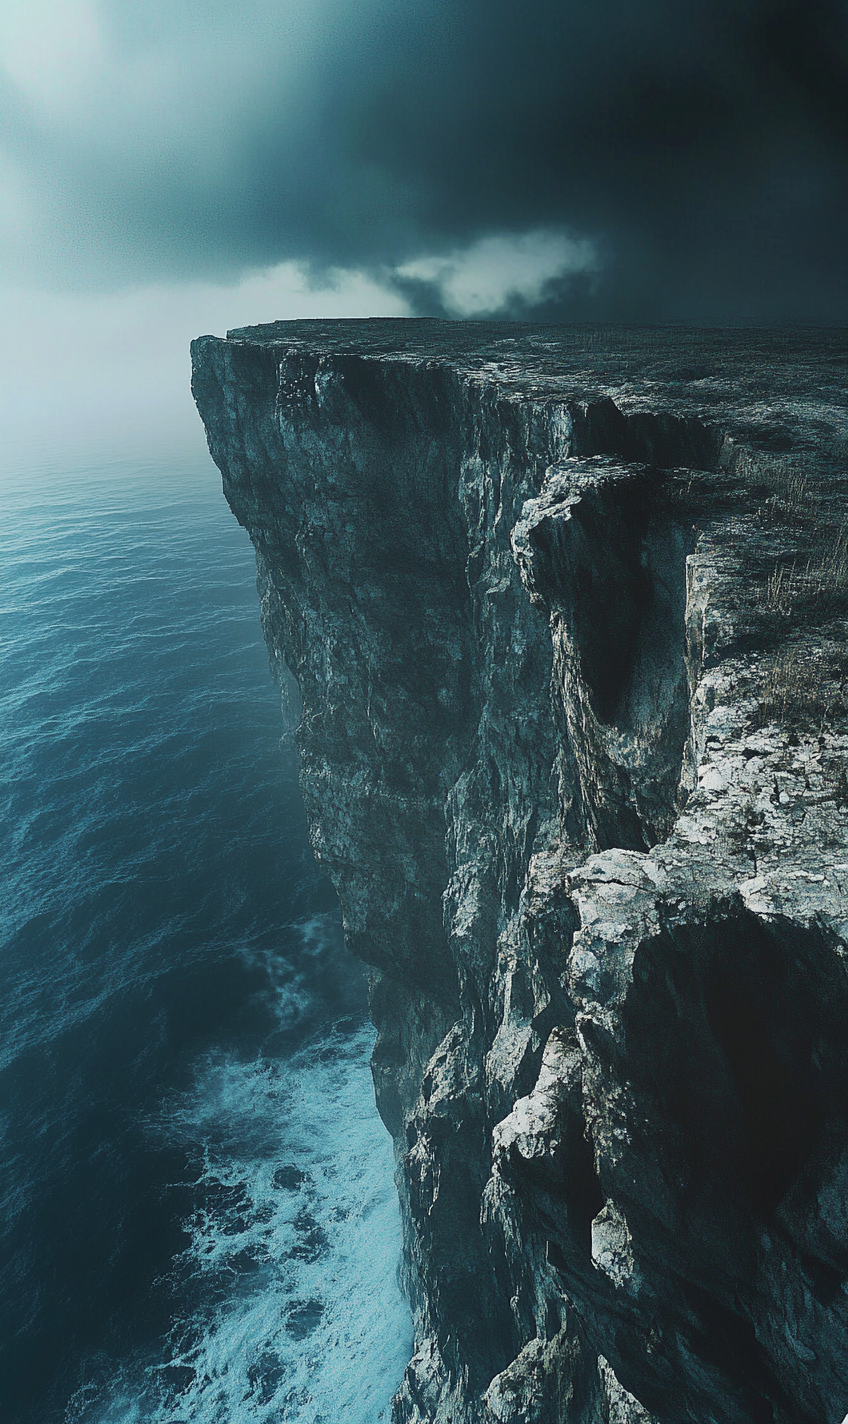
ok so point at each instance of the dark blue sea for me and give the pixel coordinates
(199, 1223)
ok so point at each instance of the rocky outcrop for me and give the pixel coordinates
(566, 611)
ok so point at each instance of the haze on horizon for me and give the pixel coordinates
(169, 168)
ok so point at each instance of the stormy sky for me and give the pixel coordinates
(590, 160)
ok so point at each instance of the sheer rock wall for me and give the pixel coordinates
(566, 610)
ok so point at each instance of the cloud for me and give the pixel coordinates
(49, 49)
(701, 147)
(501, 271)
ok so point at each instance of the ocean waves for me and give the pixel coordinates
(290, 1306)
(199, 1219)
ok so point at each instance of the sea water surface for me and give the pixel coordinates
(198, 1212)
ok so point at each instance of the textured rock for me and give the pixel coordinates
(567, 615)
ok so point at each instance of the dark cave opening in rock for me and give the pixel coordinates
(658, 438)
(611, 605)
(628, 603)
(724, 1027)
(581, 1187)
(611, 568)
(727, 1339)
(770, 1063)
(736, 1038)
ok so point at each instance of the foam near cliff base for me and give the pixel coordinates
(293, 1252)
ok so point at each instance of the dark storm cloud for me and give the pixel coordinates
(702, 147)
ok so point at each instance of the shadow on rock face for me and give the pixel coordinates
(610, 568)
(737, 1046)
(725, 1029)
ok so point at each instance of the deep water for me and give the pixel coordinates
(198, 1213)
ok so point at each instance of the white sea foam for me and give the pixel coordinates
(300, 1242)
(293, 1254)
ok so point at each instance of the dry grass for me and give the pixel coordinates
(820, 585)
(803, 687)
(827, 576)
(779, 588)
(836, 780)
(792, 499)
(789, 691)
(789, 494)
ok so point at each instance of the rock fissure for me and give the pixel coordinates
(561, 633)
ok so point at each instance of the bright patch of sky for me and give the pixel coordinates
(49, 49)
(77, 360)
(486, 276)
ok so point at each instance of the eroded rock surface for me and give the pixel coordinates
(566, 610)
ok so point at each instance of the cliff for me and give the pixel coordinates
(566, 610)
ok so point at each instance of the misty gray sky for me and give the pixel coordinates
(172, 166)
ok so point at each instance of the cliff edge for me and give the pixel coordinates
(567, 613)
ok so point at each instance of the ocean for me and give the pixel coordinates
(199, 1221)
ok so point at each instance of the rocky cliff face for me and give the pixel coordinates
(567, 615)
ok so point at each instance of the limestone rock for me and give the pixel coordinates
(566, 613)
